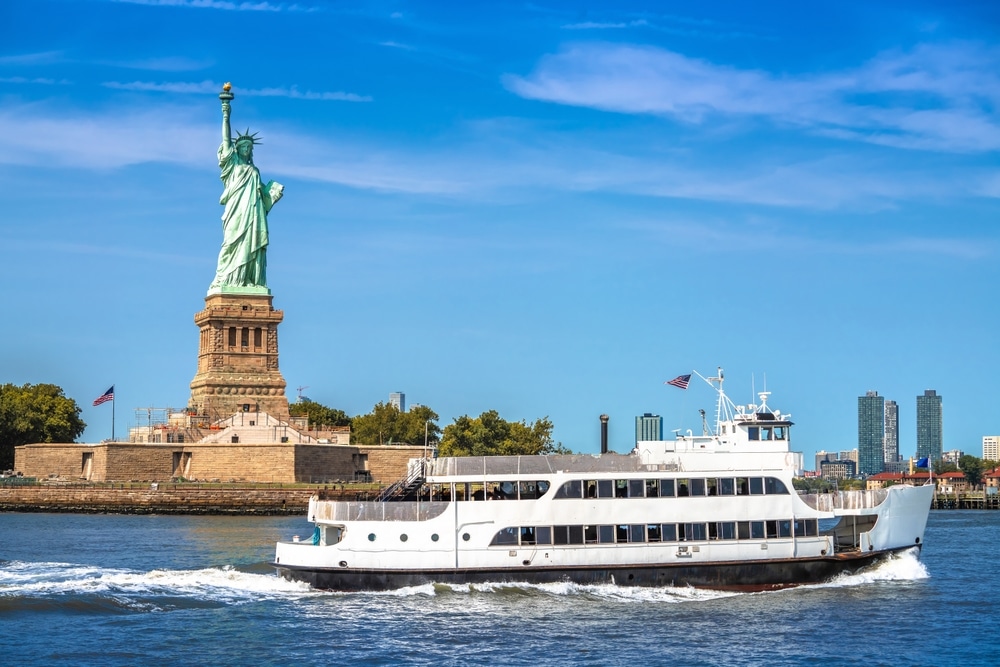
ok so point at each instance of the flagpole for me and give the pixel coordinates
(112, 417)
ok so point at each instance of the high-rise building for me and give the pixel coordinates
(871, 433)
(648, 427)
(991, 447)
(822, 456)
(891, 448)
(930, 426)
(397, 399)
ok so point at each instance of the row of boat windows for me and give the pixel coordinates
(669, 488)
(655, 532)
(607, 488)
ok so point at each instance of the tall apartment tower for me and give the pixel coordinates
(871, 433)
(991, 447)
(930, 426)
(397, 399)
(648, 427)
(891, 448)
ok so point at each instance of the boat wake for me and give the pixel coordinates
(904, 566)
(86, 587)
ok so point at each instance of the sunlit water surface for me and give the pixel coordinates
(131, 590)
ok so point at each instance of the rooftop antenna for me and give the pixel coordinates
(704, 422)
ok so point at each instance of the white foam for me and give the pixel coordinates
(904, 566)
(216, 584)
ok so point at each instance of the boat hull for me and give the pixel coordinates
(750, 576)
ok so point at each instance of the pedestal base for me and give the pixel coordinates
(238, 357)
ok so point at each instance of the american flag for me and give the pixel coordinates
(109, 395)
(680, 381)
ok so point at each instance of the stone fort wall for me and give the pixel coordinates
(250, 462)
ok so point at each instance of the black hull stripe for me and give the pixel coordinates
(742, 576)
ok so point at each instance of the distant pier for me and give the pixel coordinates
(977, 500)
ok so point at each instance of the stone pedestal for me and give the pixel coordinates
(238, 357)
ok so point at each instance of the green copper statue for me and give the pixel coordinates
(243, 258)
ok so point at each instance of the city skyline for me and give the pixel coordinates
(544, 210)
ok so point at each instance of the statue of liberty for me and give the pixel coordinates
(243, 258)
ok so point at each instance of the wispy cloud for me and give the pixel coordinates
(484, 161)
(597, 25)
(957, 86)
(202, 87)
(40, 58)
(40, 81)
(165, 64)
(218, 4)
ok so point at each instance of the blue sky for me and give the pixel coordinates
(547, 209)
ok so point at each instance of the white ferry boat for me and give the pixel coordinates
(716, 510)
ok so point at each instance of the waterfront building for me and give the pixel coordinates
(891, 447)
(871, 433)
(397, 399)
(648, 427)
(840, 469)
(930, 426)
(991, 447)
(952, 456)
(822, 456)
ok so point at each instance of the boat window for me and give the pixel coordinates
(779, 432)
(712, 487)
(774, 486)
(754, 432)
(527, 535)
(371, 537)
(543, 535)
(653, 532)
(805, 528)
(606, 534)
(637, 533)
(636, 488)
(694, 532)
(621, 488)
(727, 486)
(727, 530)
(507, 491)
(757, 530)
(576, 534)
(505, 536)
(461, 491)
(771, 529)
(528, 491)
(591, 487)
(756, 486)
(571, 489)
(621, 534)
(542, 486)
(669, 532)
(605, 488)
(697, 487)
(784, 528)
(743, 530)
(713, 531)
(765, 433)
(666, 488)
(652, 488)
(560, 534)
(477, 491)
(682, 487)
(742, 486)
(590, 534)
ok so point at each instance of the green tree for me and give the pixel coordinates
(319, 415)
(973, 469)
(490, 435)
(35, 413)
(386, 425)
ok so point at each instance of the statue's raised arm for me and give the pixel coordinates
(243, 258)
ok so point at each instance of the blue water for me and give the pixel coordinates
(139, 590)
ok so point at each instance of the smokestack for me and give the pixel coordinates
(604, 434)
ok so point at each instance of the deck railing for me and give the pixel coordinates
(845, 500)
(379, 511)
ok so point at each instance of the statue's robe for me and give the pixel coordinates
(243, 258)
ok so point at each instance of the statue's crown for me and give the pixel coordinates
(246, 136)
